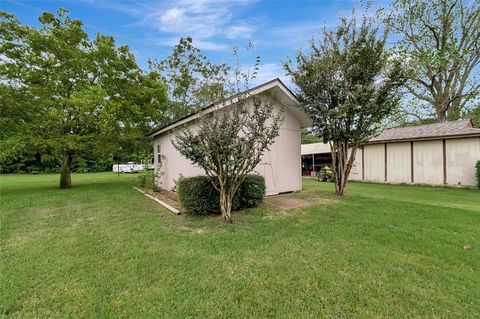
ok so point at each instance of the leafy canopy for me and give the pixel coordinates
(193, 81)
(438, 45)
(348, 87)
(72, 95)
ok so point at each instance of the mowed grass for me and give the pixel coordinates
(103, 250)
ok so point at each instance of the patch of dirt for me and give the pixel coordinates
(173, 196)
(286, 202)
(188, 229)
(282, 213)
(168, 197)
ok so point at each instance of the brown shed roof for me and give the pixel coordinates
(454, 129)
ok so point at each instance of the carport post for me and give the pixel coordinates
(313, 162)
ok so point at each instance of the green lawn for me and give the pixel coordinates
(103, 250)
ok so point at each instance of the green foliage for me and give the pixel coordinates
(193, 81)
(348, 87)
(81, 165)
(229, 144)
(438, 43)
(252, 191)
(478, 173)
(148, 179)
(200, 197)
(70, 96)
(309, 138)
(474, 115)
(23, 162)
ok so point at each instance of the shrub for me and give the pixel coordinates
(148, 179)
(199, 196)
(33, 170)
(478, 173)
(252, 191)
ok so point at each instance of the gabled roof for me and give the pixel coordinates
(453, 129)
(275, 85)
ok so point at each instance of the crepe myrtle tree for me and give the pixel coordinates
(230, 142)
(348, 87)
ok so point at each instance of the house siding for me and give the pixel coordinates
(374, 165)
(398, 162)
(430, 165)
(280, 166)
(428, 162)
(461, 157)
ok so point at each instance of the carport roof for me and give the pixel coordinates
(315, 148)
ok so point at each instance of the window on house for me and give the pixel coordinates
(159, 154)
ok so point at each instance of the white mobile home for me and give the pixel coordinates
(281, 166)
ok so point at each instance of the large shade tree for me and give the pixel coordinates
(192, 79)
(439, 46)
(348, 87)
(71, 95)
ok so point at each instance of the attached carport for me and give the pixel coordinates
(314, 157)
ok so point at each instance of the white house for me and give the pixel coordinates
(281, 166)
(435, 154)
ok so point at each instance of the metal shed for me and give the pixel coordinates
(435, 154)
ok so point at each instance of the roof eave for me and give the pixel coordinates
(303, 120)
(427, 138)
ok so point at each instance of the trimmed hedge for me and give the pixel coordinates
(478, 173)
(199, 197)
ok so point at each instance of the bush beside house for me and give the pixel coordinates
(199, 197)
(251, 191)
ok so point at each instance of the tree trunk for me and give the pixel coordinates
(441, 117)
(340, 186)
(454, 112)
(226, 206)
(65, 171)
(342, 164)
(441, 111)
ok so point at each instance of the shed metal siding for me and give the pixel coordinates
(461, 157)
(374, 162)
(398, 162)
(356, 172)
(428, 162)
